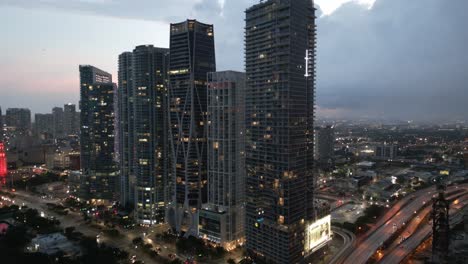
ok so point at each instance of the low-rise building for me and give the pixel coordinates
(53, 243)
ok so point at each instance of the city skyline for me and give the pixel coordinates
(352, 35)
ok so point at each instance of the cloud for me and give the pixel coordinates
(399, 59)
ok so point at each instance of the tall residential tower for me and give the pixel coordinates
(143, 131)
(279, 58)
(221, 219)
(20, 118)
(98, 170)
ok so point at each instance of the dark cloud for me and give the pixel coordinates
(400, 59)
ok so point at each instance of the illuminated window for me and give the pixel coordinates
(215, 145)
(276, 184)
(180, 71)
(280, 219)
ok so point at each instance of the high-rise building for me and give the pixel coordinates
(20, 118)
(281, 218)
(125, 119)
(221, 219)
(143, 131)
(58, 114)
(324, 144)
(192, 56)
(44, 123)
(386, 151)
(69, 120)
(98, 170)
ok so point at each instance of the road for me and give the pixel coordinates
(124, 241)
(348, 241)
(74, 219)
(398, 215)
(400, 253)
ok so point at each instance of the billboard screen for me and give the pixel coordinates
(317, 234)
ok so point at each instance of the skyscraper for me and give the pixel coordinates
(57, 112)
(280, 69)
(98, 171)
(44, 123)
(192, 56)
(324, 138)
(126, 150)
(221, 219)
(143, 121)
(69, 122)
(20, 118)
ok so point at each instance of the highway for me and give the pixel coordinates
(415, 223)
(349, 239)
(399, 215)
(408, 246)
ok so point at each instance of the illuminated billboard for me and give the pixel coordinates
(317, 234)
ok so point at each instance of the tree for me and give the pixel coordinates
(137, 241)
(69, 231)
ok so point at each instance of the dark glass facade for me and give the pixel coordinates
(126, 151)
(192, 56)
(279, 128)
(98, 170)
(143, 117)
(20, 118)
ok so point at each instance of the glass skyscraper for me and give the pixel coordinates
(143, 131)
(192, 56)
(279, 129)
(98, 170)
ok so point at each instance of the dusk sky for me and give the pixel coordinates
(402, 59)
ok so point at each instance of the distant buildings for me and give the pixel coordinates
(192, 56)
(221, 219)
(57, 112)
(70, 120)
(44, 124)
(20, 118)
(324, 140)
(386, 151)
(99, 173)
(143, 129)
(282, 223)
(1, 124)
